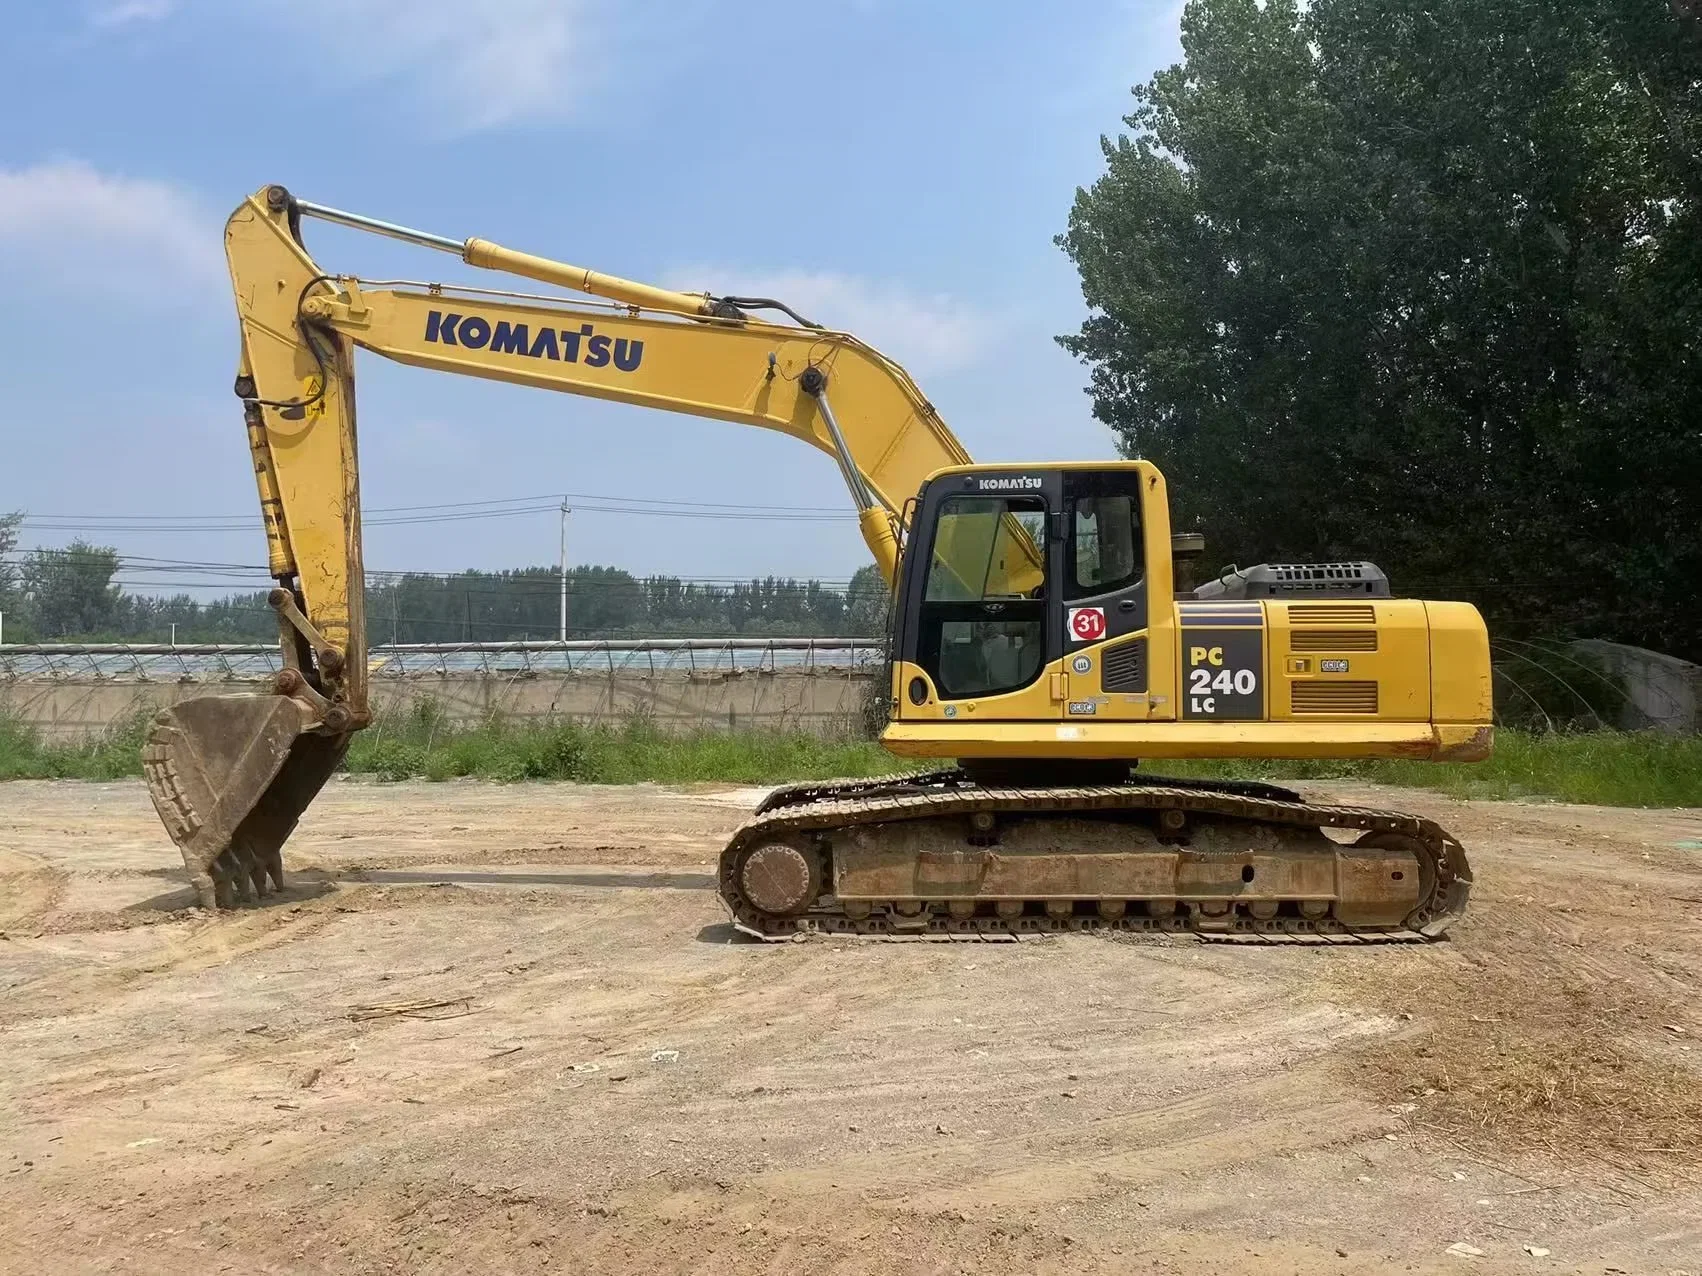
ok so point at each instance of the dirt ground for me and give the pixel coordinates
(600, 1078)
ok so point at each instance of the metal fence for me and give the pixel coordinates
(255, 662)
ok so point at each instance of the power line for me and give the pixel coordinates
(586, 573)
(483, 589)
(451, 512)
(553, 498)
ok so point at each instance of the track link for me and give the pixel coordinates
(812, 816)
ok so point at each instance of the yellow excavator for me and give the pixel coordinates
(1041, 642)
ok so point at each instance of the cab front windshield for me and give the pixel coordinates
(986, 548)
(983, 612)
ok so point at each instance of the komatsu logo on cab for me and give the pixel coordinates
(1025, 483)
(583, 344)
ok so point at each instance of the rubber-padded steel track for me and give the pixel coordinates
(806, 812)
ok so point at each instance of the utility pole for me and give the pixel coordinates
(565, 511)
(174, 633)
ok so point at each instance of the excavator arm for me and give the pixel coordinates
(230, 775)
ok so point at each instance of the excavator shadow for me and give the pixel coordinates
(601, 879)
(301, 888)
(302, 885)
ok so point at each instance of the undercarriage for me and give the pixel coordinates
(940, 855)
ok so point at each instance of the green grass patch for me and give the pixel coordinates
(112, 755)
(424, 745)
(1606, 768)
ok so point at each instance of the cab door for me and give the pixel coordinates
(977, 637)
(1109, 629)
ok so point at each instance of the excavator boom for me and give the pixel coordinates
(1040, 638)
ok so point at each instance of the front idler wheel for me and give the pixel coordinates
(780, 879)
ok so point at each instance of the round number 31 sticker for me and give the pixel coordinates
(1087, 623)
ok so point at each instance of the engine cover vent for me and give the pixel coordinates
(1124, 666)
(1333, 640)
(1334, 696)
(1332, 614)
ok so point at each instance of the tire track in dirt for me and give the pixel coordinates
(30, 889)
(1552, 1032)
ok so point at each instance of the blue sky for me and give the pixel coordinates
(896, 169)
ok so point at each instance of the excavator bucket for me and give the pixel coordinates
(230, 776)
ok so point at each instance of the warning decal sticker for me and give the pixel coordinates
(1086, 624)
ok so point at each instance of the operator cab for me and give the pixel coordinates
(1008, 570)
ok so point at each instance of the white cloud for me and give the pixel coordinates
(472, 66)
(124, 13)
(462, 68)
(929, 333)
(66, 222)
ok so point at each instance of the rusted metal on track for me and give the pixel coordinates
(856, 836)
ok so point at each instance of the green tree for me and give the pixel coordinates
(867, 604)
(71, 593)
(9, 525)
(11, 598)
(1418, 282)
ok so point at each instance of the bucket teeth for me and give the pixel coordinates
(229, 874)
(261, 867)
(230, 776)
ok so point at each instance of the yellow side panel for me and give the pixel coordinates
(1040, 701)
(1459, 664)
(1367, 739)
(1348, 660)
(1122, 705)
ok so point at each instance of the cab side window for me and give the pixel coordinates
(1106, 553)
